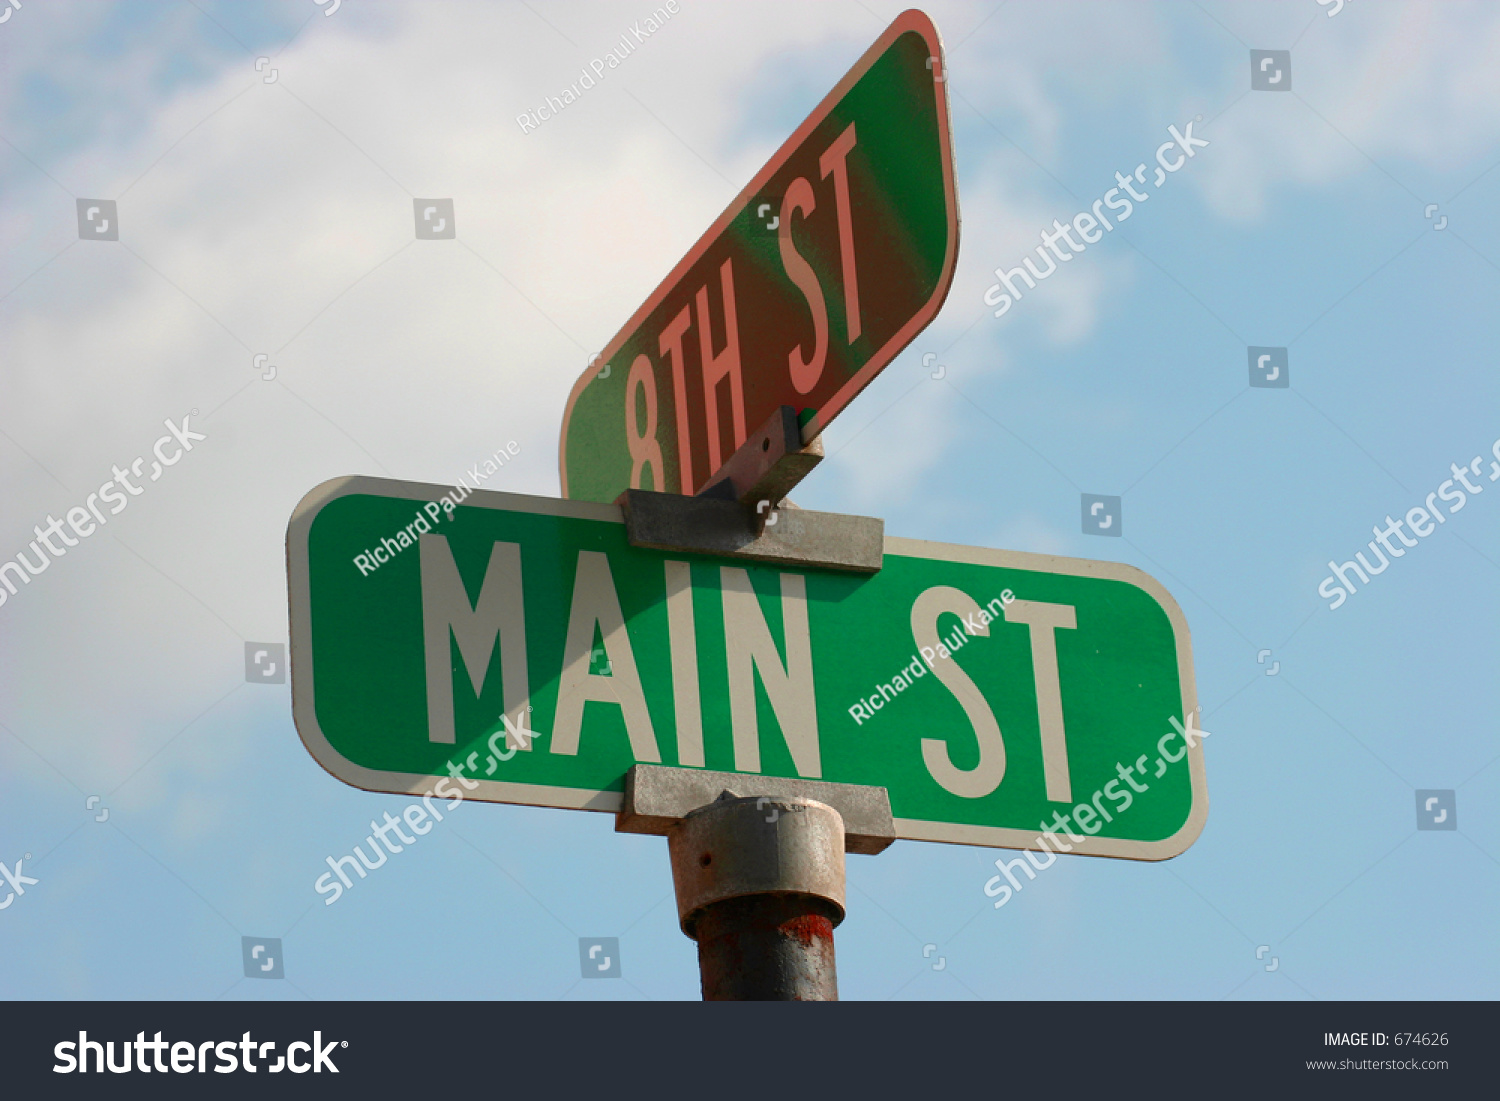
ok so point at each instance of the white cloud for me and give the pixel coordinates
(1414, 86)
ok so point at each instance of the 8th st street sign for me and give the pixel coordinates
(822, 269)
(1052, 686)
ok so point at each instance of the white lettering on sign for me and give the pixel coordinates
(670, 345)
(987, 773)
(644, 447)
(683, 638)
(716, 368)
(596, 603)
(834, 161)
(804, 370)
(497, 616)
(751, 650)
(1044, 620)
(448, 615)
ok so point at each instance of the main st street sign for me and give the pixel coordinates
(985, 690)
(821, 270)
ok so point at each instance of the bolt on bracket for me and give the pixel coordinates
(744, 513)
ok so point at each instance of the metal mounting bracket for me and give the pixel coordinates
(658, 797)
(790, 536)
(743, 513)
(767, 465)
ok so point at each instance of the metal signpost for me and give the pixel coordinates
(767, 686)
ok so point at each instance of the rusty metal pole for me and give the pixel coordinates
(759, 877)
(760, 887)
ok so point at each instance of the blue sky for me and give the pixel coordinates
(274, 218)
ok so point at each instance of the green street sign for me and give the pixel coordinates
(816, 276)
(521, 647)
